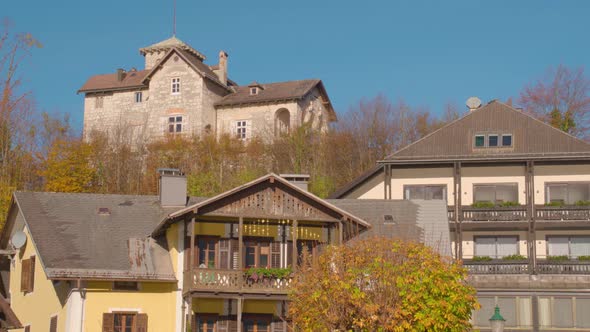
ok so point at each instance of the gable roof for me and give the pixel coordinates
(74, 241)
(8, 319)
(531, 138)
(109, 82)
(167, 44)
(271, 177)
(274, 92)
(195, 62)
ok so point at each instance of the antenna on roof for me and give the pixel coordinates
(174, 20)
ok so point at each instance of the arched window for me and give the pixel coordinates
(282, 121)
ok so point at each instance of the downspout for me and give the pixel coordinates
(83, 300)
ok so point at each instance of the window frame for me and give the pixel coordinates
(199, 316)
(253, 91)
(124, 324)
(139, 97)
(511, 140)
(408, 186)
(256, 318)
(569, 244)
(30, 286)
(475, 185)
(517, 244)
(175, 85)
(566, 184)
(241, 125)
(489, 136)
(53, 323)
(483, 136)
(175, 124)
(197, 256)
(255, 242)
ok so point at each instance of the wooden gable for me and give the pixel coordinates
(270, 199)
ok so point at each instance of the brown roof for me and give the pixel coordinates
(273, 92)
(531, 139)
(8, 319)
(109, 82)
(165, 46)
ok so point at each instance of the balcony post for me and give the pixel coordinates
(239, 312)
(458, 209)
(530, 203)
(192, 250)
(240, 244)
(295, 256)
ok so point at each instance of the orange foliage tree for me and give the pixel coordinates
(380, 284)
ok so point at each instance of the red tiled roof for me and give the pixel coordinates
(107, 82)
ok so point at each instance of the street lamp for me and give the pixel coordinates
(497, 321)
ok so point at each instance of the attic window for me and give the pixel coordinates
(492, 140)
(253, 91)
(388, 219)
(103, 211)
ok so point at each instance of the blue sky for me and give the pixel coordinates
(425, 52)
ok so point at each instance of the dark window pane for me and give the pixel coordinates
(179, 119)
(171, 119)
(506, 140)
(493, 140)
(479, 140)
(250, 257)
(178, 127)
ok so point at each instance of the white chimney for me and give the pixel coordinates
(222, 71)
(172, 187)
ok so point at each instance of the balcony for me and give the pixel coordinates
(497, 267)
(469, 213)
(563, 267)
(562, 213)
(233, 281)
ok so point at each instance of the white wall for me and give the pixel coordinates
(558, 173)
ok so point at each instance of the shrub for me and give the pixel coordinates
(584, 258)
(558, 258)
(583, 203)
(481, 258)
(558, 204)
(268, 273)
(483, 205)
(515, 257)
(509, 204)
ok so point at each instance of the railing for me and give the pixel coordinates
(217, 280)
(497, 267)
(451, 213)
(563, 267)
(562, 212)
(517, 213)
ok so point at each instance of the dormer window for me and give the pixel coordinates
(480, 141)
(253, 90)
(492, 140)
(507, 140)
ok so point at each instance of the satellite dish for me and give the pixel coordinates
(473, 103)
(19, 239)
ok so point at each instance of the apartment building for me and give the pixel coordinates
(518, 197)
(129, 263)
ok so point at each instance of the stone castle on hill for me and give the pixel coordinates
(177, 93)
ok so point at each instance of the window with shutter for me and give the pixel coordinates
(224, 254)
(108, 322)
(289, 253)
(234, 247)
(27, 275)
(142, 323)
(53, 324)
(28, 328)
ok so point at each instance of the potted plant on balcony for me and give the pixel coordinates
(559, 258)
(481, 259)
(263, 274)
(515, 257)
(582, 203)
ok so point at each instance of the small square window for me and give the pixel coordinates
(179, 119)
(492, 140)
(480, 141)
(171, 119)
(506, 140)
(126, 285)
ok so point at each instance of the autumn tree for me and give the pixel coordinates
(68, 167)
(381, 284)
(560, 98)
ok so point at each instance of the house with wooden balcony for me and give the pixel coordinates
(518, 197)
(133, 263)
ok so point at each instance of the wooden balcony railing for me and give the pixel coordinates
(230, 281)
(562, 212)
(497, 267)
(517, 213)
(563, 267)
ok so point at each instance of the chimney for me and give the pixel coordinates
(300, 180)
(172, 187)
(222, 72)
(120, 74)
(473, 103)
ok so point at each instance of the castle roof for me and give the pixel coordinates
(166, 45)
(110, 82)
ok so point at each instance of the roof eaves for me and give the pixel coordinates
(130, 87)
(356, 182)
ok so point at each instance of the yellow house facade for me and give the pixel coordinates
(110, 263)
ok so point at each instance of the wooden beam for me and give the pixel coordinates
(239, 312)
(192, 250)
(341, 232)
(294, 238)
(241, 243)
